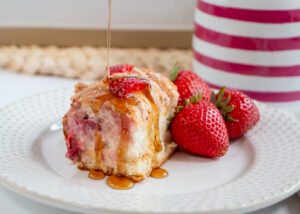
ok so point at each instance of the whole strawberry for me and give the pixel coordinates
(199, 128)
(239, 111)
(124, 87)
(189, 84)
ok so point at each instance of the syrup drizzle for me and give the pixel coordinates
(98, 149)
(154, 121)
(159, 173)
(108, 38)
(120, 183)
(96, 175)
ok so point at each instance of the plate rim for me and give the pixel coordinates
(78, 207)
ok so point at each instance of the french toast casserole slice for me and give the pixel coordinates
(126, 137)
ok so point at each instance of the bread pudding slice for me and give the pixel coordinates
(121, 136)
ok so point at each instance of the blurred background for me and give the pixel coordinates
(46, 45)
(250, 45)
(76, 22)
(41, 41)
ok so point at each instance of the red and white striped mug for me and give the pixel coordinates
(251, 45)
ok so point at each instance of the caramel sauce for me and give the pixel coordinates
(150, 127)
(123, 148)
(79, 87)
(120, 183)
(82, 168)
(96, 175)
(98, 149)
(159, 173)
(122, 106)
(64, 123)
(154, 122)
(98, 101)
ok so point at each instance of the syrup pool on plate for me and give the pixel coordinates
(96, 175)
(118, 182)
(159, 173)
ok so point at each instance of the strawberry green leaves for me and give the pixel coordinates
(194, 99)
(222, 104)
(174, 72)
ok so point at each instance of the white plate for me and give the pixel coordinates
(259, 169)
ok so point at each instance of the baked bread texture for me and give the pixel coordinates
(126, 137)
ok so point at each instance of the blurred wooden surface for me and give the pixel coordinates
(79, 37)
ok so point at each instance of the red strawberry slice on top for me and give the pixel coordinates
(122, 68)
(124, 87)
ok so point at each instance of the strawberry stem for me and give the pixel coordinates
(170, 118)
(231, 119)
(194, 99)
(222, 104)
(180, 107)
(221, 93)
(174, 72)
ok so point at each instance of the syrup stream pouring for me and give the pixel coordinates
(108, 39)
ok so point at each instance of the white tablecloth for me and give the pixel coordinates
(17, 86)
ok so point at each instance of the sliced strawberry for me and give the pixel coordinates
(74, 147)
(124, 87)
(87, 125)
(122, 68)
